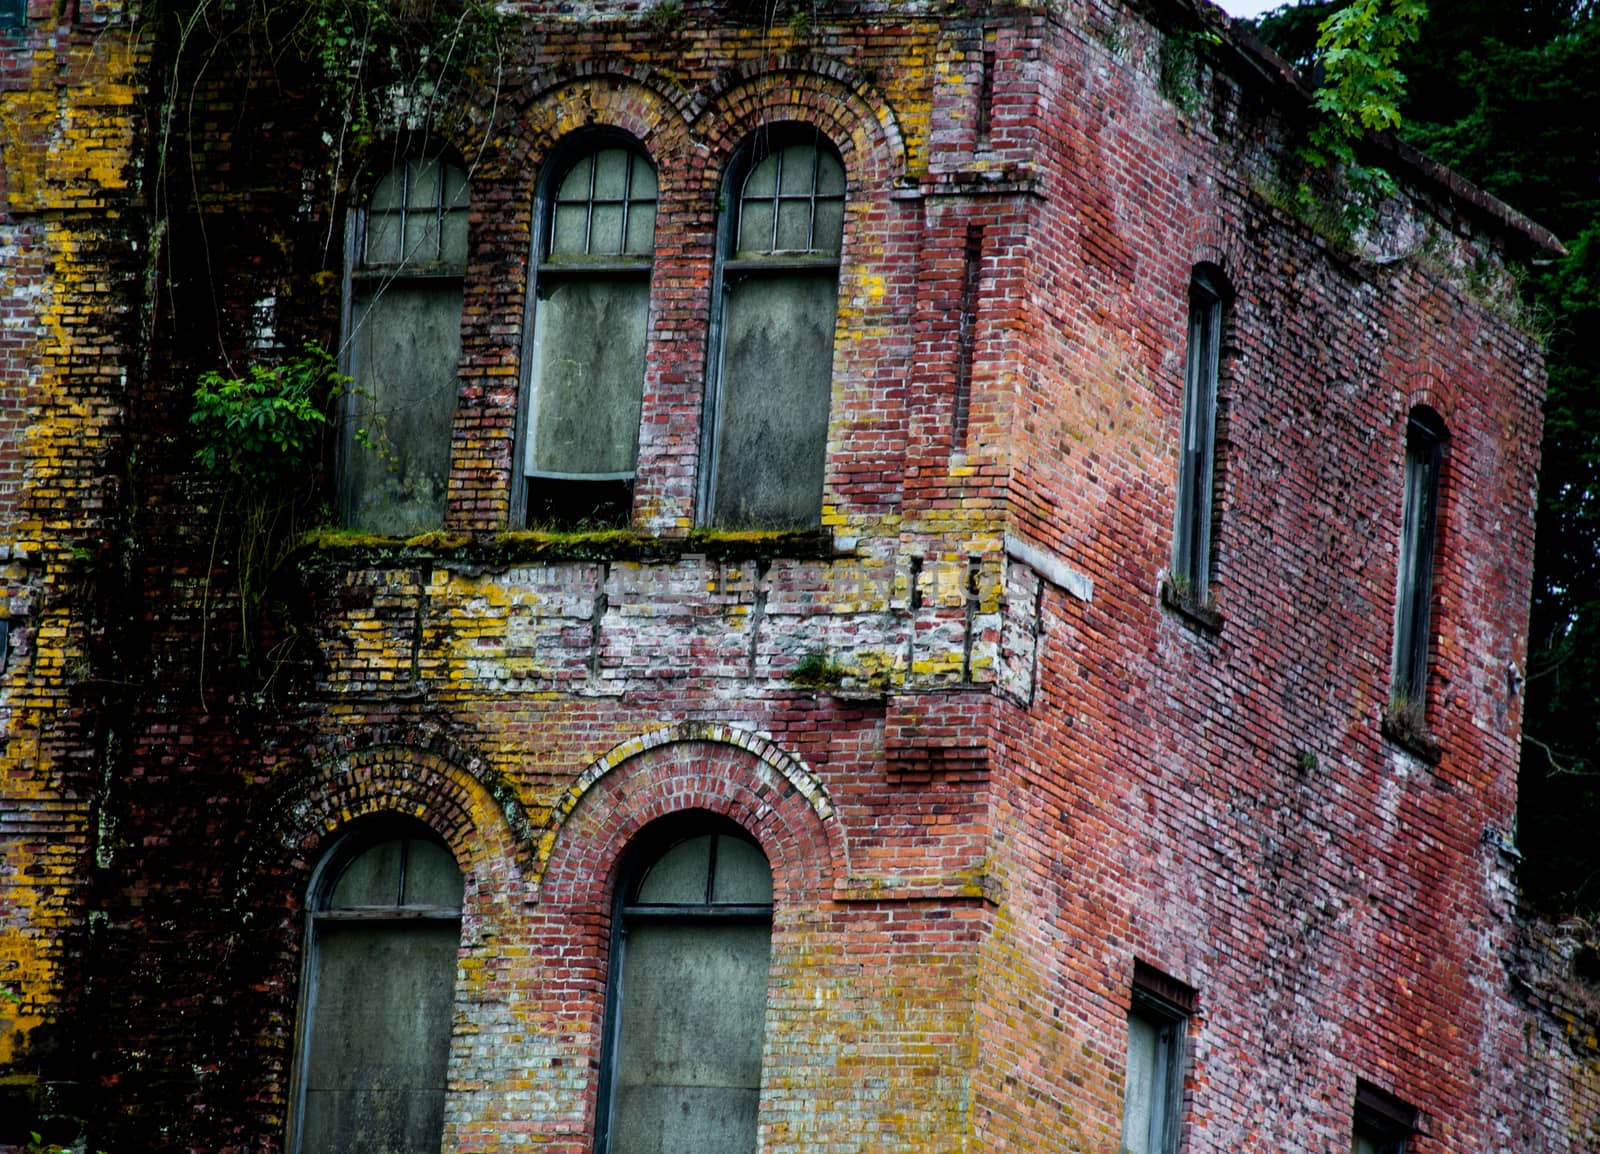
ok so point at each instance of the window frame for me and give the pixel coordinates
(1193, 535)
(359, 272)
(728, 269)
(350, 844)
(542, 271)
(1421, 485)
(1169, 1006)
(645, 851)
(1381, 1118)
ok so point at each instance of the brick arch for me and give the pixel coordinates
(806, 90)
(1426, 385)
(694, 766)
(425, 777)
(634, 100)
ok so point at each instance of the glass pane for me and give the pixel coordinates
(610, 174)
(422, 237)
(755, 226)
(794, 225)
(404, 352)
(742, 876)
(575, 185)
(588, 351)
(1139, 1106)
(455, 187)
(386, 193)
(830, 174)
(641, 229)
(605, 233)
(693, 1019)
(1363, 1144)
(423, 189)
(644, 179)
(379, 1041)
(828, 232)
(568, 236)
(777, 377)
(383, 238)
(762, 180)
(795, 169)
(432, 878)
(679, 875)
(454, 246)
(372, 879)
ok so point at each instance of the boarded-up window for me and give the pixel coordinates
(404, 343)
(1153, 1094)
(1419, 521)
(591, 315)
(688, 998)
(779, 272)
(1191, 545)
(380, 982)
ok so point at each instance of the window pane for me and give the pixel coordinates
(589, 340)
(644, 180)
(755, 226)
(605, 233)
(455, 187)
(830, 174)
(372, 879)
(575, 185)
(795, 169)
(422, 237)
(794, 225)
(571, 222)
(688, 1067)
(1140, 1104)
(828, 232)
(641, 229)
(422, 191)
(379, 1041)
(679, 875)
(762, 180)
(383, 238)
(742, 874)
(610, 174)
(387, 192)
(777, 377)
(453, 245)
(404, 352)
(432, 878)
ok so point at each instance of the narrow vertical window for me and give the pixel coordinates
(778, 301)
(687, 1007)
(1419, 519)
(590, 320)
(1191, 547)
(1382, 1123)
(1152, 1106)
(379, 987)
(403, 345)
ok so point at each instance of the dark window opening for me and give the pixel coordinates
(1419, 520)
(1158, 1020)
(686, 1014)
(590, 324)
(1382, 1123)
(777, 305)
(13, 14)
(403, 347)
(379, 990)
(1192, 544)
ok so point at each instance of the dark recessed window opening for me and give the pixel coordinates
(1382, 1123)
(1158, 1021)
(1425, 437)
(1191, 545)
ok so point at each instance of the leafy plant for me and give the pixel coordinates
(266, 427)
(816, 670)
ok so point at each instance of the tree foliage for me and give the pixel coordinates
(1506, 95)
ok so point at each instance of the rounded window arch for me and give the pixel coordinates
(378, 993)
(406, 260)
(776, 306)
(594, 249)
(686, 1009)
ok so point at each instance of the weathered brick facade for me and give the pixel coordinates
(1022, 759)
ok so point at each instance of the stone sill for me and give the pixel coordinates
(342, 546)
(1410, 735)
(1204, 616)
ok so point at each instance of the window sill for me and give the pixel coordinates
(1410, 732)
(530, 546)
(1204, 616)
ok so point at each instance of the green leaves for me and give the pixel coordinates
(265, 428)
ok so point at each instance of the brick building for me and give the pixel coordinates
(913, 594)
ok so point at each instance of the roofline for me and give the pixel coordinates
(1261, 61)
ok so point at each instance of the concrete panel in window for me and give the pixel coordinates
(589, 344)
(380, 1037)
(691, 1031)
(776, 380)
(406, 346)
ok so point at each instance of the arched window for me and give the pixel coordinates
(408, 253)
(378, 994)
(687, 1007)
(1419, 524)
(597, 219)
(777, 303)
